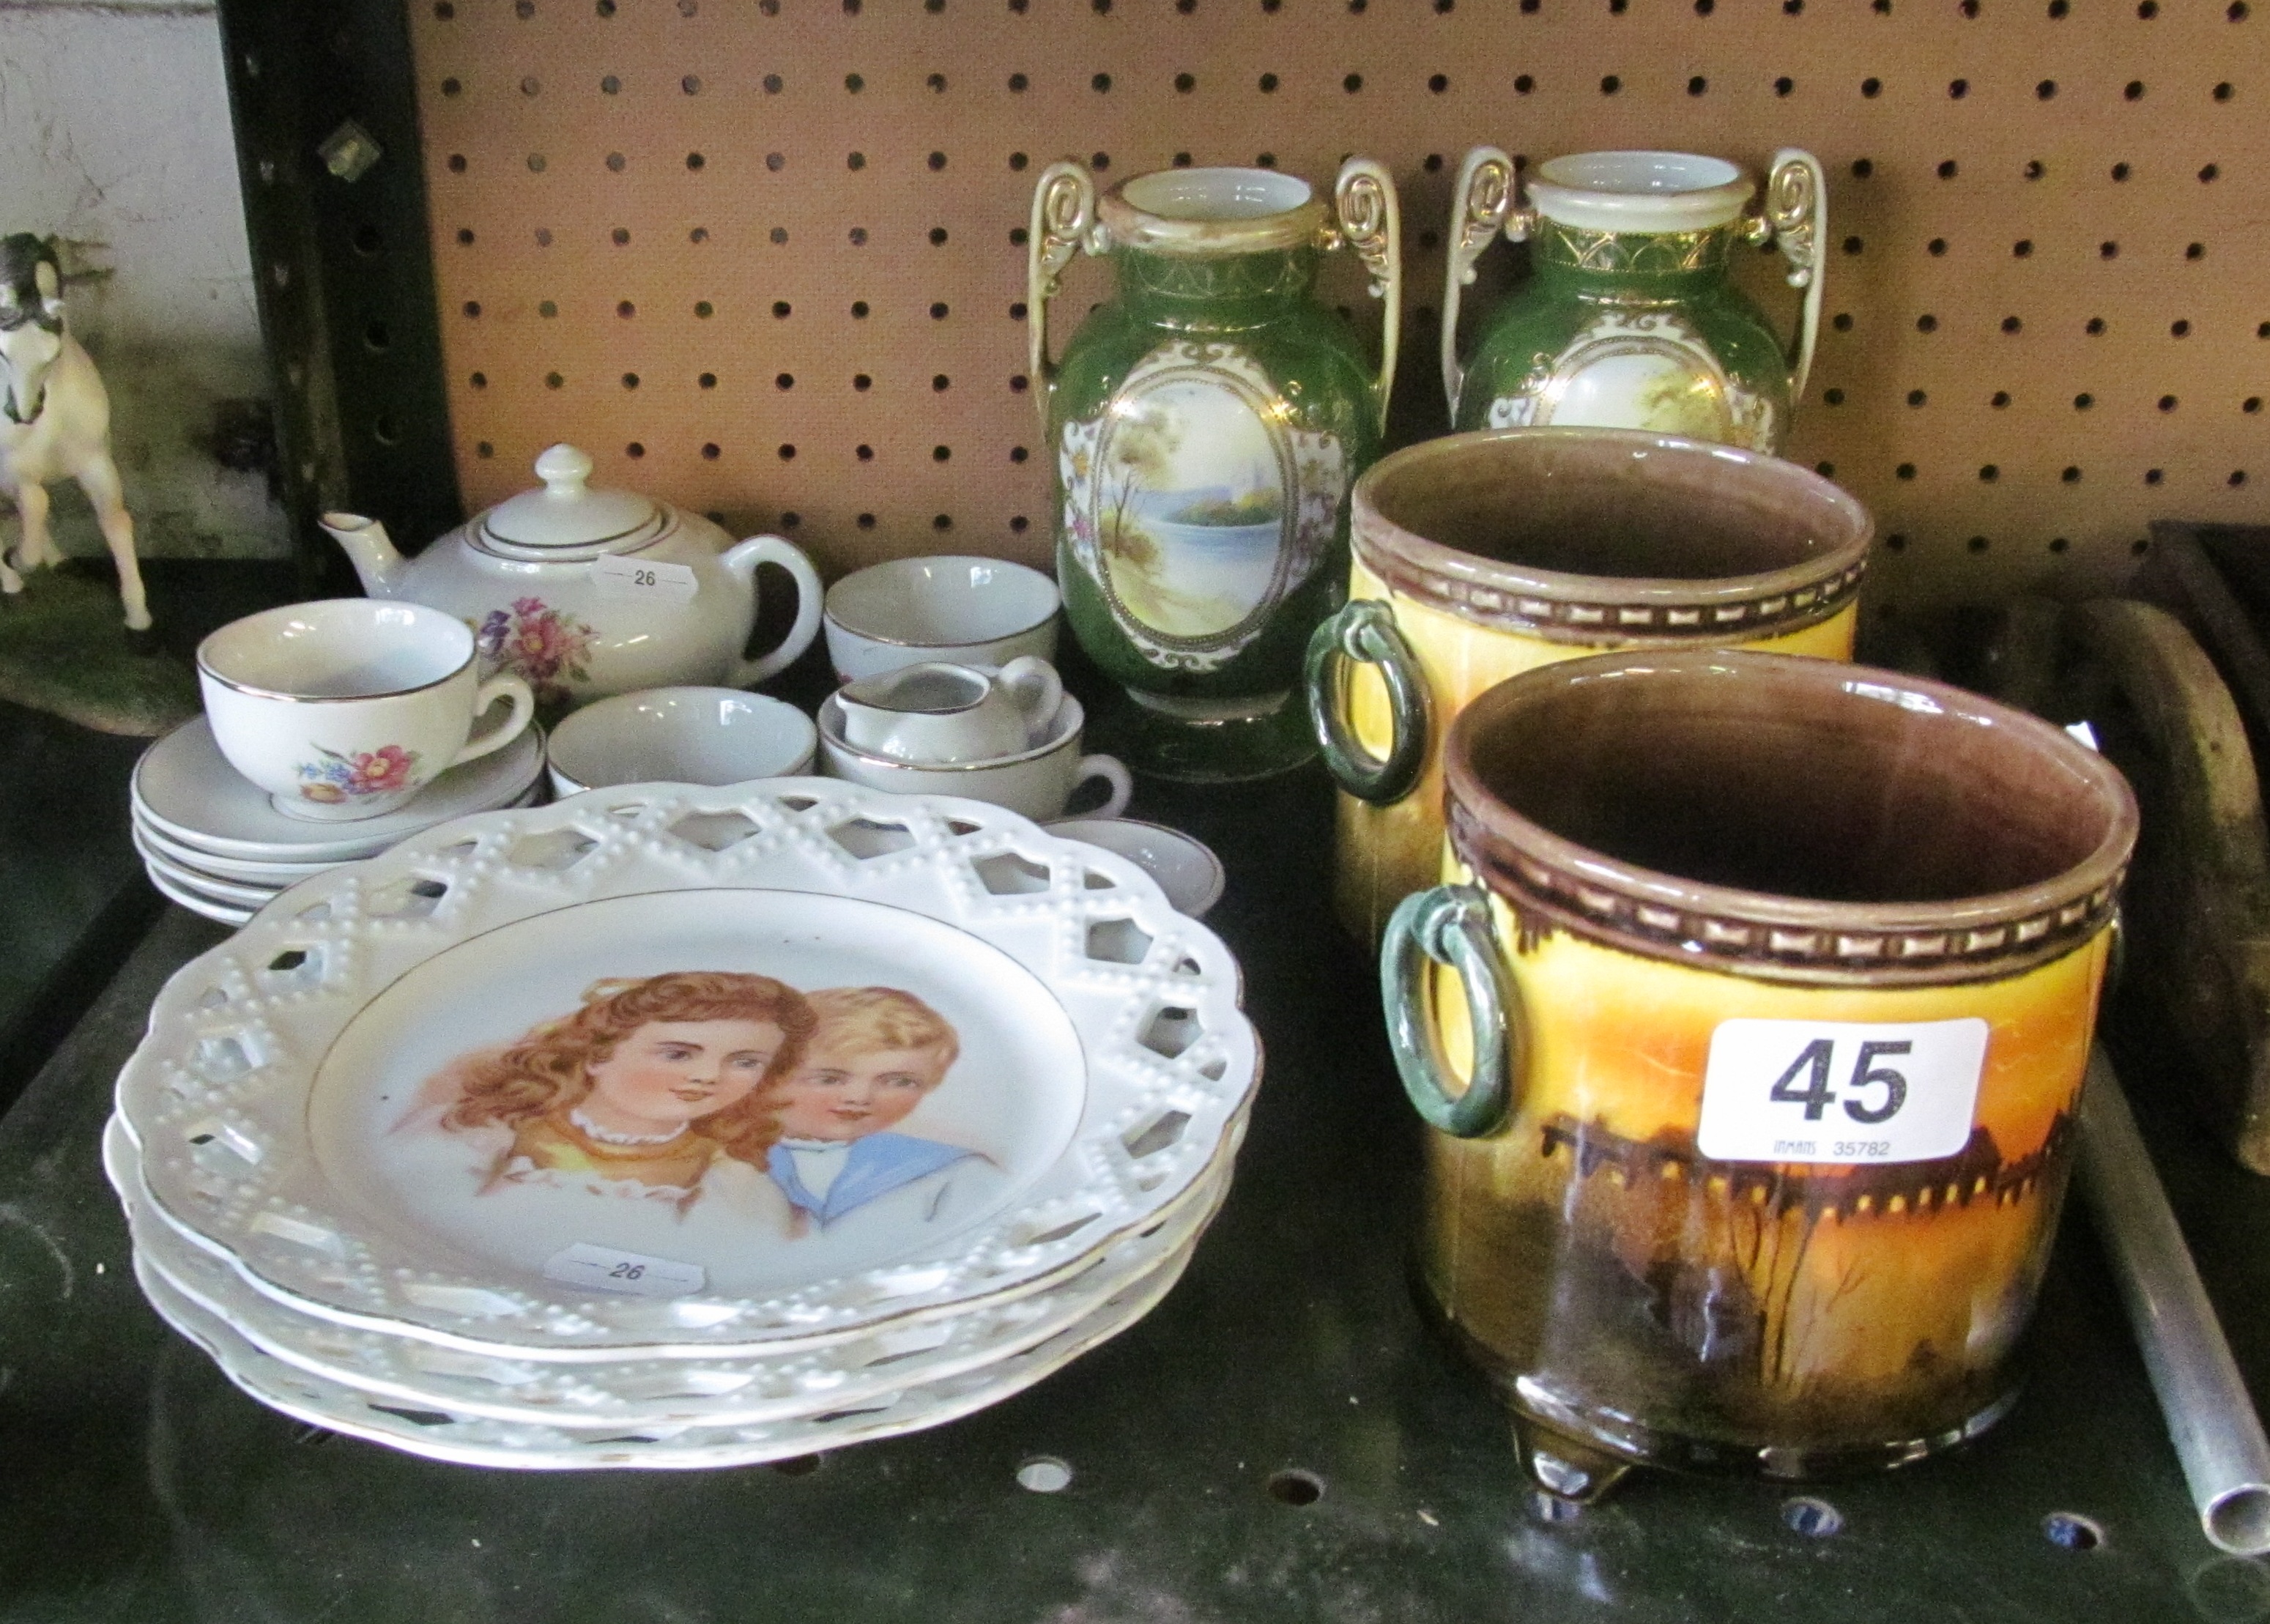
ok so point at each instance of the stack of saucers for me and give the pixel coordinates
(211, 841)
(683, 1127)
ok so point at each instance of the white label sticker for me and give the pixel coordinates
(636, 577)
(603, 1268)
(1840, 1091)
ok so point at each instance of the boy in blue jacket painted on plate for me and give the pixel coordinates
(876, 1054)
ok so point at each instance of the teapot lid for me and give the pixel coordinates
(568, 513)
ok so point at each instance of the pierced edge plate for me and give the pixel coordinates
(632, 1392)
(215, 1097)
(460, 1440)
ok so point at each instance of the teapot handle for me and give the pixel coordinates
(1796, 219)
(1483, 199)
(1063, 223)
(743, 559)
(1370, 221)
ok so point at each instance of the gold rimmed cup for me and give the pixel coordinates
(346, 708)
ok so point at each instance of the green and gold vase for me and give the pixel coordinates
(1205, 427)
(1628, 319)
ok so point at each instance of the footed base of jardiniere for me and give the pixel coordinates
(1205, 741)
(1577, 1451)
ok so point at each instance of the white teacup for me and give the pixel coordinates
(936, 712)
(1038, 782)
(347, 708)
(970, 610)
(698, 736)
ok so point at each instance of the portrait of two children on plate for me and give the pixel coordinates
(724, 1087)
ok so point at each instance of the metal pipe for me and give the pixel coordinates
(2210, 1416)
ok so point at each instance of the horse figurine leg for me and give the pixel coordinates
(37, 548)
(10, 582)
(98, 477)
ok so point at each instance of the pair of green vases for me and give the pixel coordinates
(1206, 424)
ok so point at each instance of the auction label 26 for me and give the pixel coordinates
(1841, 1091)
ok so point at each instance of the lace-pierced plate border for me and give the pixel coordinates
(216, 1097)
(632, 1392)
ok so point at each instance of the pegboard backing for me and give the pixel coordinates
(764, 256)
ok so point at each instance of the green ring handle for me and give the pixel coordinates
(1364, 629)
(1451, 925)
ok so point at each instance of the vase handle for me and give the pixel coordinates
(1364, 629)
(1064, 220)
(1797, 218)
(1451, 925)
(1480, 205)
(1371, 222)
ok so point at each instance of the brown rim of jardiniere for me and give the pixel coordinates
(1917, 834)
(1610, 537)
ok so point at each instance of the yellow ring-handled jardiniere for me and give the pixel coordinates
(1751, 1023)
(1480, 556)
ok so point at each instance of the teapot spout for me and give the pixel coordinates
(369, 550)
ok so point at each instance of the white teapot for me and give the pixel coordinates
(587, 592)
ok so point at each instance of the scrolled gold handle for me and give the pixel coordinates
(1371, 222)
(1797, 217)
(1063, 223)
(1480, 207)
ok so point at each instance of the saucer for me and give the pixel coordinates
(220, 912)
(191, 879)
(245, 870)
(1184, 866)
(225, 890)
(186, 790)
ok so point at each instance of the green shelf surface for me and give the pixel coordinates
(140, 1486)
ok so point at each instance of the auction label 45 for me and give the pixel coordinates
(1840, 1091)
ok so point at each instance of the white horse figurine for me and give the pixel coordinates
(54, 421)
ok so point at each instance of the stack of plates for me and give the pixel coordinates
(211, 842)
(379, 1156)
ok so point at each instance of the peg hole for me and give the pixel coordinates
(2069, 1530)
(1813, 1517)
(1296, 1487)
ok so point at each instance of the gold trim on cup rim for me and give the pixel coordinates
(204, 668)
(828, 614)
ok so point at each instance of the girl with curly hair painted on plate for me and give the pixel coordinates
(656, 1090)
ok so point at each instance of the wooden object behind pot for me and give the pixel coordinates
(2197, 915)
